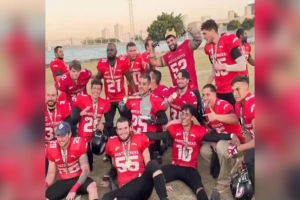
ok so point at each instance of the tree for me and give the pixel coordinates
(248, 23)
(233, 25)
(158, 28)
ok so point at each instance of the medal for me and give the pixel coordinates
(174, 95)
(95, 122)
(112, 73)
(128, 164)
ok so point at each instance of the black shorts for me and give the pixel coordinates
(227, 97)
(188, 175)
(61, 188)
(139, 188)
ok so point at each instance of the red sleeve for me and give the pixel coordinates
(87, 73)
(83, 145)
(99, 67)
(145, 143)
(49, 150)
(54, 66)
(157, 104)
(206, 50)
(227, 108)
(128, 104)
(66, 108)
(169, 92)
(165, 58)
(232, 41)
(108, 147)
(172, 130)
(250, 110)
(193, 99)
(106, 106)
(164, 91)
(61, 84)
(250, 48)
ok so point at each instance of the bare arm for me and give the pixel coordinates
(246, 146)
(196, 41)
(159, 62)
(99, 76)
(51, 173)
(146, 156)
(240, 63)
(251, 60)
(227, 118)
(84, 165)
(212, 74)
(130, 80)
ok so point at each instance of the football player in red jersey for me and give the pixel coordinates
(245, 108)
(181, 57)
(68, 156)
(221, 117)
(187, 141)
(58, 67)
(113, 69)
(136, 173)
(74, 82)
(88, 111)
(146, 54)
(147, 112)
(137, 66)
(226, 58)
(245, 48)
(157, 88)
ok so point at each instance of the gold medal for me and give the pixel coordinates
(174, 95)
(95, 121)
(128, 164)
(186, 152)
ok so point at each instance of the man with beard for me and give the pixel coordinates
(136, 173)
(245, 48)
(181, 57)
(88, 111)
(55, 113)
(74, 81)
(58, 67)
(147, 112)
(113, 69)
(226, 59)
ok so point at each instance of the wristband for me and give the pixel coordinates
(46, 184)
(75, 187)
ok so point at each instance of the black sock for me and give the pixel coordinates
(160, 186)
(201, 195)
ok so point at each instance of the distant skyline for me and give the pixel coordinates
(81, 19)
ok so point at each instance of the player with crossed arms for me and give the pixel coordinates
(245, 109)
(88, 111)
(181, 57)
(147, 112)
(58, 67)
(136, 173)
(55, 112)
(187, 141)
(226, 58)
(67, 156)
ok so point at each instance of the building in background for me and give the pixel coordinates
(106, 33)
(119, 32)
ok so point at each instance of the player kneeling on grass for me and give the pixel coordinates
(136, 173)
(68, 156)
(187, 141)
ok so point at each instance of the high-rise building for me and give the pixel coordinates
(119, 32)
(231, 14)
(106, 33)
(248, 11)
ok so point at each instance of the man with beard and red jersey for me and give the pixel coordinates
(55, 112)
(58, 67)
(136, 173)
(137, 66)
(187, 141)
(245, 109)
(245, 48)
(74, 82)
(221, 116)
(68, 156)
(181, 57)
(113, 69)
(226, 59)
(147, 112)
(157, 88)
(88, 111)
(146, 54)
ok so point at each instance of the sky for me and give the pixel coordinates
(87, 18)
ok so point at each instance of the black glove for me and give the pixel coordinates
(151, 120)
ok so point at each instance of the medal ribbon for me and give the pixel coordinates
(65, 158)
(241, 117)
(113, 71)
(52, 119)
(95, 107)
(214, 51)
(126, 153)
(186, 141)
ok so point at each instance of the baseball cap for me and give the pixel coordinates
(184, 73)
(63, 128)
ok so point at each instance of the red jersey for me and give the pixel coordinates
(223, 107)
(86, 125)
(162, 91)
(246, 112)
(187, 98)
(72, 88)
(136, 69)
(146, 58)
(182, 58)
(137, 144)
(222, 53)
(52, 119)
(193, 140)
(113, 78)
(134, 105)
(58, 65)
(246, 51)
(77, 147)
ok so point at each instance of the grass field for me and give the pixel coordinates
(181, 192)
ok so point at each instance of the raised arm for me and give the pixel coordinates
(197, 39)
(130, 80)
(159, 62)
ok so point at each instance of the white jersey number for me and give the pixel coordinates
(221, 73)
(138, 124)
(113, 86)
(88, 125)
(181, 153)
(49, 134)
(120, 164)
(180, 64)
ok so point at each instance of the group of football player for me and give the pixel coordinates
(219, 126)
